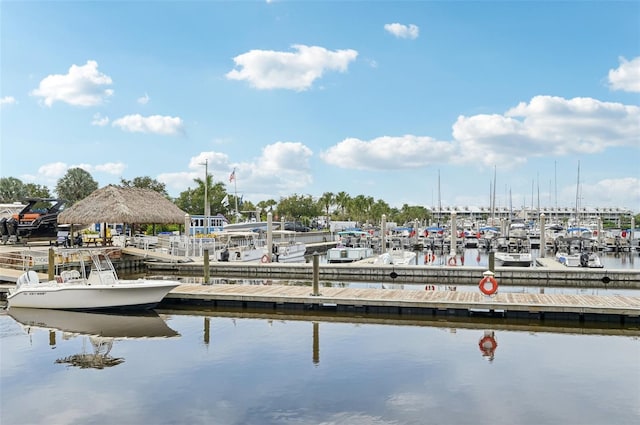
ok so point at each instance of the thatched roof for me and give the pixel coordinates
(115, 204)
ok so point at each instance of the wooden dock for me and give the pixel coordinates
(547, 273)
(361, 301)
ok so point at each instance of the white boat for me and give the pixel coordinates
(396, 257)
(517, 259)
(286, 249)
(515, 251)
(584, 259)
(99, 288)
(353, 245)
(241, 246)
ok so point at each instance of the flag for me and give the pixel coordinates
(232, 177)
(225, 200)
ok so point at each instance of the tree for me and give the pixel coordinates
(326, 201)
(297, 207)
(342, 199)
(37, 191)
(267, 206)
(75, 185)
(146, 182)
(409, 214)
(192, 200)
(12, 190)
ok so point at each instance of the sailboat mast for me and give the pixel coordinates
(439, 200)
(578, 194)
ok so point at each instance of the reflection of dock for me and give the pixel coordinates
(472, 323)
(615, 308)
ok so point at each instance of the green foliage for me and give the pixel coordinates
(409, 214)
(146, 182)
(192, 200)
(75, 185)
(37, 191)
(298, 208)
(12, 190)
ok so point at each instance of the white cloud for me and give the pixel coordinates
(114, 168)
(99, 120)
(281, 169)
(81, 86)
(268, 69)
(157, 124)
(216, 161)
(8, 100)
(53, 170)
(388, 152)
(403, 31)
(627, 76)
(144, 99)
(611, 191)
(547, 126)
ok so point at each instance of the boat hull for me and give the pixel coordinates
(124, 295)
(513, 259)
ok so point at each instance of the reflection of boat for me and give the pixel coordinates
(142, 325)
(100, 329)
(100, 289)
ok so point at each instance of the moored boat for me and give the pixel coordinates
(94, 286)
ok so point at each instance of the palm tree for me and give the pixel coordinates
(326, 200)
(342, 199)
(76, 185)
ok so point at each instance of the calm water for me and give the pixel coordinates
(249, 368)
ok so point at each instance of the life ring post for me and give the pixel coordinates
(488, 284)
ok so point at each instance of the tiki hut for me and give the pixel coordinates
(129, 205)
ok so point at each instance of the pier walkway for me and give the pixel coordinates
(625, 309)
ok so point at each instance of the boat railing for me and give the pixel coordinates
(23, 259)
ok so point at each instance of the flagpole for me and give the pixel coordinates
(235, 188)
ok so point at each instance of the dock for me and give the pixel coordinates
(363, 301)
(547, 273)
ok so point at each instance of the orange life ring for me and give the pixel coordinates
(492, 289)
(624, 234)
(488, 344)
(430, 288)
(429, 258)
(452, 261)
(265, 259)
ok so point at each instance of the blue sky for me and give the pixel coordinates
(372, 97)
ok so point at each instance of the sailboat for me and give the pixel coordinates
(573, 251)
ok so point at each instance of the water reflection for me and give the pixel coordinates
(98, 331)
(488, 345)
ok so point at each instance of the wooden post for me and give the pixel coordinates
(316, 343)
(52, 263)
(543, 236)
(316, 273)
(206, 267)
(206, 330)
(492, 261)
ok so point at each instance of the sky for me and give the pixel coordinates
(418, 102)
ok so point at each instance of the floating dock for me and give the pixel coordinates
(361, 301)
(548, 273)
